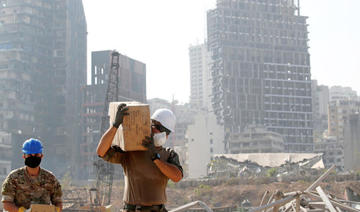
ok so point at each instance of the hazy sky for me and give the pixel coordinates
(159, 33)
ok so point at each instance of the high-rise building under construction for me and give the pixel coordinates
(42, 68)
(261, 69)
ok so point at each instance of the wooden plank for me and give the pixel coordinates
(271, 198)
(263, 198)
(303, 209)
(316, 183)
(184, 207)
(342, 206)
(191, 204)
(278, 195)
(274, 204)
(338, 209)
(293, 193)
(346, 201)
(297, 206)
(324, 197)
(317, 204)
(288, 206)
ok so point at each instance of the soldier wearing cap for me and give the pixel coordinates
(31, 184)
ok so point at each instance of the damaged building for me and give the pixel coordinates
(200, 77)
(42, 68)
(256, 140)
(333, 152)
(339, 112)
(320, 101)
(263, 164)
(352, 193)
(261, 69)
(6, 153)
(351, 143)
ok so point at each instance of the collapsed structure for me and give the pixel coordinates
(312, 198)
(265, 164)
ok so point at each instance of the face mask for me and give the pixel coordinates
(159, 139)
(32, 161)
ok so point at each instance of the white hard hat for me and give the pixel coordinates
(166, 117)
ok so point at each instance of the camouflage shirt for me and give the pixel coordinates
(23, 190)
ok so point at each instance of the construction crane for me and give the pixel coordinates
(105, 170)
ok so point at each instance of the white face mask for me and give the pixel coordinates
(159, 139)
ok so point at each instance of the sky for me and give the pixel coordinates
(160, 32)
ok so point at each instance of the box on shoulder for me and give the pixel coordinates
(135, 126)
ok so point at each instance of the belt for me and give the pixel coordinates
(142, 207)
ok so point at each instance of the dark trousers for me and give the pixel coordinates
(140, 208)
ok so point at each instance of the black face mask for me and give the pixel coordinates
(32, 161)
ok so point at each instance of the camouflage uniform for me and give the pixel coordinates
(23, 190)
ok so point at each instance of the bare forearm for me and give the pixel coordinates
(11, 207)
(105, 141)
(169, 170)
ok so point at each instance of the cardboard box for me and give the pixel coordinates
(42, 208)
(134, 128)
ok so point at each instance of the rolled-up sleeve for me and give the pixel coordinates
(8, 190)
(114, 155)
(174, 159)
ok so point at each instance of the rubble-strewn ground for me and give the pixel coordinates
(231, 193)
(228, 195)
(226, 192)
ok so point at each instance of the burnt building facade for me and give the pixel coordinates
(261, 69)
(42, 68)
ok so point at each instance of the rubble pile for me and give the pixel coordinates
(352, 194)
(314, 198)
(256, 165)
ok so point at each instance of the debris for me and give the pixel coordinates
(265, 164)
(307, 200)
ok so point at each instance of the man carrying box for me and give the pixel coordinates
(146, 172)
(31, 184)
